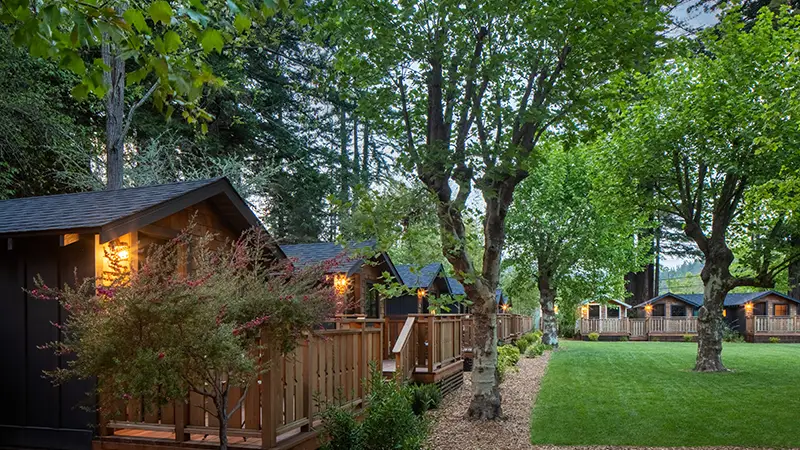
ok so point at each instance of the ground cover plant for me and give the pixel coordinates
(645, 393)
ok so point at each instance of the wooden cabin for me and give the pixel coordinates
(609, 318)
(756, 315)
(63, 236)
(355, 270)
(426, 282)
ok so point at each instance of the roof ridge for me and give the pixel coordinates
(203, 181)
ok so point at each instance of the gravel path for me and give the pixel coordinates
(452, 431)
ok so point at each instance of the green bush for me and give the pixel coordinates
(594, 337)
(340, 429)
(507, 358)
(655, 339)
(522, 344)
(425, 397)
(536, 350)
(688, 338)
(731, 335)
(389, 421)
(624, 339)
(774, 339)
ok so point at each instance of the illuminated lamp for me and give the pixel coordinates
(648, 308)
(340, 283)
(421, 293)
(748, 308)
(555, 309)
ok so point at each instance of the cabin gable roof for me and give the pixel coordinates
(114, 213)
(735, 299)
(346, 260)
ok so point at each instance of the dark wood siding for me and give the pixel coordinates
(35, 413)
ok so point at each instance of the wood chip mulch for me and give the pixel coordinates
(452, 430)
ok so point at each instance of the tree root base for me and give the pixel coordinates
(485, 407)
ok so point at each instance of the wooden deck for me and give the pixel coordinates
(280, 411)
(757, 328)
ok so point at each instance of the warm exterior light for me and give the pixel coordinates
(123, 254)
(340, 283)
(648, 308)
(504, 307)
(555, 309)
(748, 308)
(724, 313)
(584, 310)
(421, 293)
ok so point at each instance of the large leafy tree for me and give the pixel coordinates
(712, 129)
(159, 48)
(468, 90)
(562, 235)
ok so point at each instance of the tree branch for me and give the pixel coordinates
(135, 106)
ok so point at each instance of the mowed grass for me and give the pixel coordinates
(645, 394)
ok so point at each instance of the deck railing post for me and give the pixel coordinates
(270, 396)
(431, 352)
(181, 417)
(309, 369)
(362, 362)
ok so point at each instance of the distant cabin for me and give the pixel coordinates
(59, 237)
(355, 270)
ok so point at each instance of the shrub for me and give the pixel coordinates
(731, 335)
(537, 350)
(507, 358)
(340, 429)
(688, 338)
(624, 339)
(774, 339)
(522, 344)
(655, 339)
(594, 337)
(389, 421)
(425, 397)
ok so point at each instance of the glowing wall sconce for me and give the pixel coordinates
(555, 309)
(504, 307)
(748, 308)
(584, 310)
(421, 293)
(648, 308)
(340, 283)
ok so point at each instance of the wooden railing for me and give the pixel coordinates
(325, 368)
(640, 327)
(467, 332)
(604, 326)
(772, 324)
(405, 350)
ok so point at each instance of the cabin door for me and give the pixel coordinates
(594, 311)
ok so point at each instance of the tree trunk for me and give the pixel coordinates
(344, 159)
(710, 322)
(222, 412)
(115, 116)
(486, 400)
(794, 271)
(547, 299)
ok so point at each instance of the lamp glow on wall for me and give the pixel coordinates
(504, 307)
(340, 283)
(648, 308)
(116, 261)
(748, 308)
(585, 311)
(555, 309)
(421, 293)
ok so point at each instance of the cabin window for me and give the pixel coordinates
(659, 310)
(612, 312)
(677, 310)
(780, 309)
(760, 309)
(373, 302)
(594, 311)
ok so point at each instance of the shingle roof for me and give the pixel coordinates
(115, 213)
(85, 210)
(456, 288)
(419, 277)
(619, 302)
(347, 261)
(737, 299)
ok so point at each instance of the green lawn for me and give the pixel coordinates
(644, 393)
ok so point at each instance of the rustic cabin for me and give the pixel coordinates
(426, 282)
(609, 317)
(59, 237)
(756, 315)
(355, 269)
